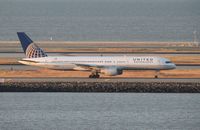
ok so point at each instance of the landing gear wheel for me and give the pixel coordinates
(97, 76)
(157, 74)
(94, 75)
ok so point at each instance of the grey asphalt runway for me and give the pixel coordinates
(22, 55)
(26, 67)
(98, 80)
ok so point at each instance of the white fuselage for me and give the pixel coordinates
(119, 62)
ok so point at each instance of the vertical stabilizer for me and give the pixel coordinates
(30, 48)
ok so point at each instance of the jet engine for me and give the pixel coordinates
(111, 71)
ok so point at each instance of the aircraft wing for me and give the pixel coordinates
(90, 66)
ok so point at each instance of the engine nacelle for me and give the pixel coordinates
(111, 71)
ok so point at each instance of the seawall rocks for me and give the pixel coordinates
(141, 87)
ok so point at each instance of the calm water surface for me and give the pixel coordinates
(101, 20)
(109, 111)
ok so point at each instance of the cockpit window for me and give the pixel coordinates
(167, 62)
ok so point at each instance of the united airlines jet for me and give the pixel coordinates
(108, 65)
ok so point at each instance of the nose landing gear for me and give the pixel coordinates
(157, 74)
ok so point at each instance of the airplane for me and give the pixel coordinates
(107, 65)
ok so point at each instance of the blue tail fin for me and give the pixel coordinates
(30, 48)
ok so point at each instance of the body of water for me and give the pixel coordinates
(100, 20)
(97, 111)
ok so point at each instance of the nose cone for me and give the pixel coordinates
(168, 64)
(173, 66)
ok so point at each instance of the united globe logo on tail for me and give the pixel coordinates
(30, 48)
(33, 51)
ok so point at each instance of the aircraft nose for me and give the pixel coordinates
(173, 66)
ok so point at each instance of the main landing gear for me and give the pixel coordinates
(94, 75)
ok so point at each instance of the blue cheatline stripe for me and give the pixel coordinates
(24, 39)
